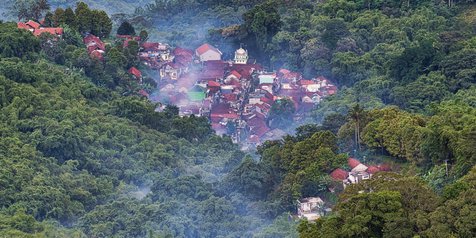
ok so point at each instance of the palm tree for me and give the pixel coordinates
(356, 114)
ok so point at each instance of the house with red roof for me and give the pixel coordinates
(182, 51)
(221, 111)
(356, 165)
(22, 25)
(246, 70)
(143, 93)
(233, 76)
(33, 24)
(95, 46)
(352, 162)
(137, 74)
(207, 52)
(372, 169)
(213, 86)
(358, 173)
(155, 50)
(37, 30)
(55, 31)
(339, 174)
(257, 126)
(182, 56)
(97, 54)
(289, 77)
(93, 42)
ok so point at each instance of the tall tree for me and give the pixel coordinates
(49, 20)
(39, 7)
(30, 9)
(58, 16)
(126, 29)
(69, 18)
(83, 17)
(101, 24)
(356, 114)
(262, 23)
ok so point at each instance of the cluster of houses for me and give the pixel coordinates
(94, 45)
(37, 29)
(358, 172)
(312, 208)
(236, 95)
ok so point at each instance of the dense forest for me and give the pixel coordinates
(83, 155)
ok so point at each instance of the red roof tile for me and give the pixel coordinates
(372, 169)
(150, 46)
(307, 82)
(221, 111)
(206, 47)
(33, 24)
(258, 126)
(134, 71)
(230, 97)
(353, 162)
(22, 25)
(339, 174)
(384, 167)
(211, 74)
(50, 30)
(97, 54)
(267, 100)
(212, 83)
(143, 93)
(284, 71)
(94, 41)
(182, 51)
(236, 74)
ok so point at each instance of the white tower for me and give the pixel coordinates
(241, 56)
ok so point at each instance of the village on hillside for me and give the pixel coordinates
(235, 94)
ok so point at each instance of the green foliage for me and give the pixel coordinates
(16, 42)
(282, 226)
(262, 22)
(126, 29)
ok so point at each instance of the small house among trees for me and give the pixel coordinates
(137, 74)
(37, 29)
(310, 208)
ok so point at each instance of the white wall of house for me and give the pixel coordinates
(210, 55)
